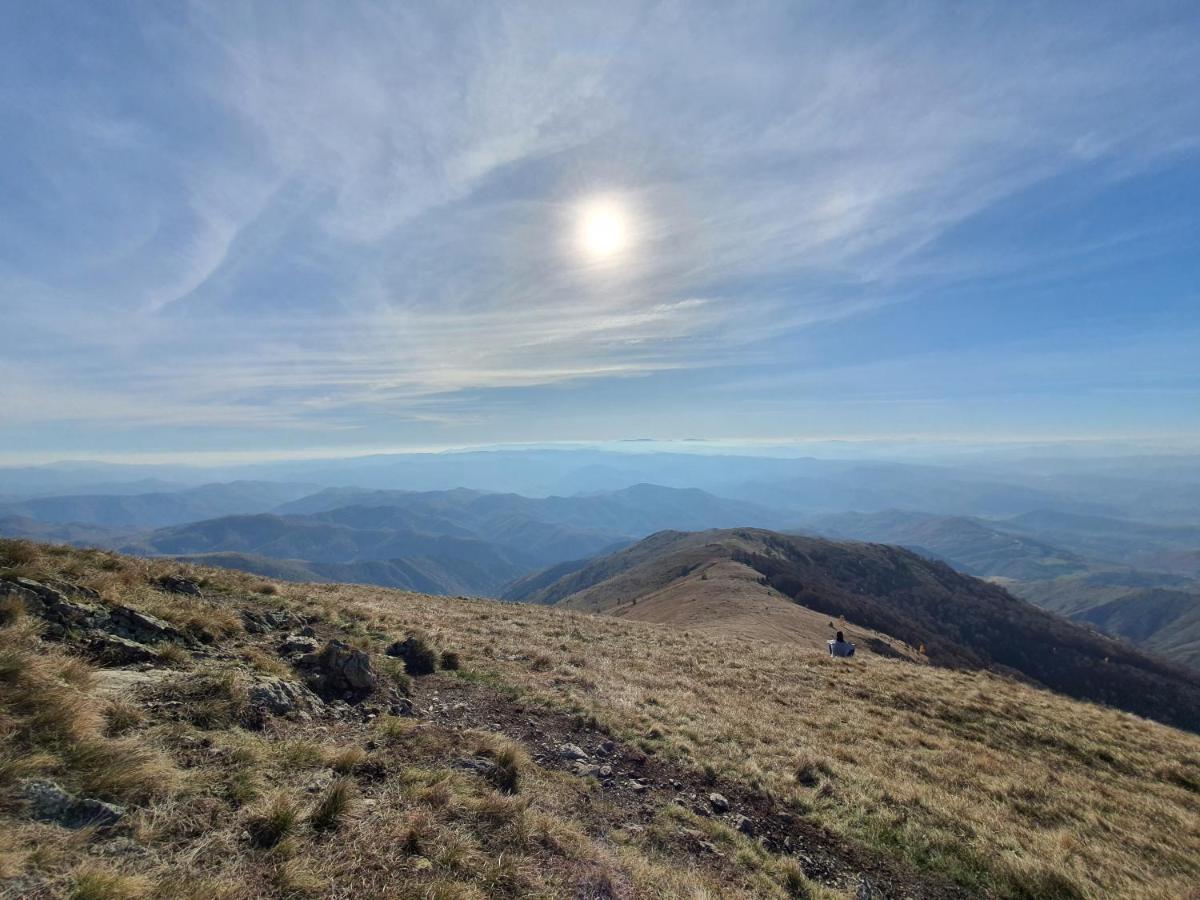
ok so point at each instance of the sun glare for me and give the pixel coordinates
(603, 229)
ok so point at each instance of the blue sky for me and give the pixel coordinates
(292, 227)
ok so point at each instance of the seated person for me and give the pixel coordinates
(839, 646)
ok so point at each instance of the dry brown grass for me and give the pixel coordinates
(997, 784)
(1002, 786)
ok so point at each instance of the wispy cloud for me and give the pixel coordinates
(326, 216)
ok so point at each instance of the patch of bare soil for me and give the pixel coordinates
(636, 786)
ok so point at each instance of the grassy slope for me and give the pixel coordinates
(1007, 788)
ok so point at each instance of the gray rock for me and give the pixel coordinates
(718, 802)
(745, 825)
(177, 585)
(605, 772)
(401, 707)
(340, 670)
(865, 890)
(114, 650)
(637, 786)
(571, 751)
(53, 606)
(50, 803)
(284, 698)
(142, 627)
(261, 622)
(476, 764)
(295, 643)
(584, 769)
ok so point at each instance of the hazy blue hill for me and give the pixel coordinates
(447, 574)
(1101, 537)
(156, 510)
(968, 544)
(1158, 612)
(58, 533)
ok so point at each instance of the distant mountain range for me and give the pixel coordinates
(1053, 539)
(159, 508)
(450, 542)
(897, 598)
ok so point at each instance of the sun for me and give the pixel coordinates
(603, 229)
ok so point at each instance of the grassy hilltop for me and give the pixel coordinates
(550, 753)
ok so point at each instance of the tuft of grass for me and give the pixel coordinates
(268, 827)
(450, 660)
(419, 658)
(267, 589)
(11, 609)
(95, 883)
(121, 716)
(346, 759)
(332, 808)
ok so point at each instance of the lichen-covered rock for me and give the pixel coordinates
(278, 697)
(114, 650)
(295, 643)
(52, 605)
(50, 803)
(126, 622)
(262, 622)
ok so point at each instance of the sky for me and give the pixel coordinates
(301, 228)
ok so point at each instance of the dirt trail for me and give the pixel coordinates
(636, 787)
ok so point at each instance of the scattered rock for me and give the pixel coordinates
(608, 747)
(401, 707)
(114, 650)
(177, 585)
(637, 786)
(718, 802)
(571, 751)
(745, 825)
(256, 622)
(278, 697)
(141, 627)
(340, 670)
(476, 764)
(47, 603)
(605, 772)
(50, 803)
(585, 769)
(307, 631)
(297, 643)
(865, 890)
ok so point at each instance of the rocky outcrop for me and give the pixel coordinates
(339, 671)
(265, 621)
(176, 585)
(48, 802)
(115, 635)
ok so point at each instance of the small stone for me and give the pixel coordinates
(745, 825)
(297, 643)
(608, 747)
(401, 707)
(637, 786)
(571, 751)
(585, 769)
(50, 803)
(605, 772)
(718, 802)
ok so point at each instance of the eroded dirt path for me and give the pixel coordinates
(635, 787)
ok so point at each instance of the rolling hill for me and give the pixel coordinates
(160, 508)
(970, 545)
(961, 621)
(448, 542)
